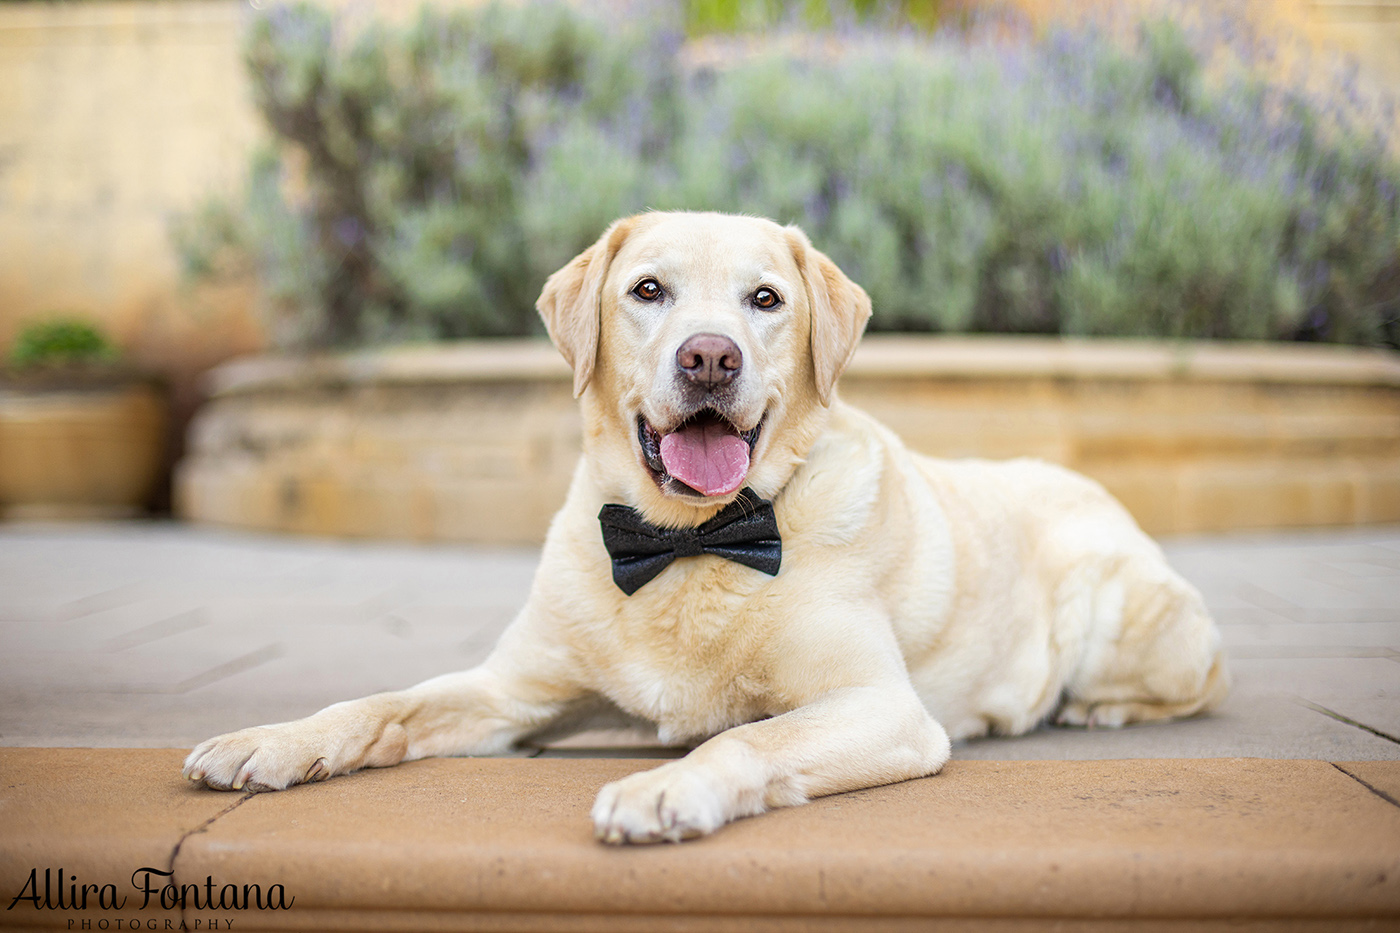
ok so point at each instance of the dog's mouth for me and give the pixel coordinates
(706, 454)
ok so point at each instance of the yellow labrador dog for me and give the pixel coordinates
(754, 566)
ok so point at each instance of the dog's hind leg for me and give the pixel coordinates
(1151, 651)
(1113, 713)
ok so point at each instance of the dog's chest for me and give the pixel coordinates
(688, 655)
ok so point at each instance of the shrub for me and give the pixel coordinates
(719, 16)
(986, 180)
(417, 147)
(60, 341)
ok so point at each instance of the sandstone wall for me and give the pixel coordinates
(476, 442)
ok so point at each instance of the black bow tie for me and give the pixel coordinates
(746, 531)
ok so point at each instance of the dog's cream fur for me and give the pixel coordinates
(919, 600)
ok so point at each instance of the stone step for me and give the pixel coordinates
(506, 844)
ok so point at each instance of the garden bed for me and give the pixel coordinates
(79, 444)
(476, 441)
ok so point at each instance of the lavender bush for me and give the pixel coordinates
(986, 180)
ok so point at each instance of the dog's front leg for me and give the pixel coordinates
(477, 712)
(850, 738)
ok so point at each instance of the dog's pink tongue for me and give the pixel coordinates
(706, 457)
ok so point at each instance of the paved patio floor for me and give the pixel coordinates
(159, 635)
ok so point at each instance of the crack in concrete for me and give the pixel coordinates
(1375, 790)
(1316, 708)
(202, 827)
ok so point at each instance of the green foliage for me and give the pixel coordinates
(721, 16)
(60, 341)
(994, 182)
(417, 147)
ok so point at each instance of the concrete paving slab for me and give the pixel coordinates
(250, 628)
(151, 634)
(1254, 722)
(1303, 574)
(130, 720)
(1268, 639)
(1312, 617)
(1365, 690)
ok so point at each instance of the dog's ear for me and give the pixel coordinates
(840, 309)
(571, 302)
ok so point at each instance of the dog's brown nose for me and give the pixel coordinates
(709, 360)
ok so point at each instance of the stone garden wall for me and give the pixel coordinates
(477, 441)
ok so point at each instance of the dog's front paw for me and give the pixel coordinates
(670, 803)
(259, 759)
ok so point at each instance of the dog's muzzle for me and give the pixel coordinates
(706, 454)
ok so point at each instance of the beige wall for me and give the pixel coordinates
(113, 117)
(1369, 29)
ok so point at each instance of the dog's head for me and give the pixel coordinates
(705, 348)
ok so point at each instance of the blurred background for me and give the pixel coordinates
(272, 267)
(183, 182)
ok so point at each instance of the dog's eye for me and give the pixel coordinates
(647, 290)
(766, 298)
